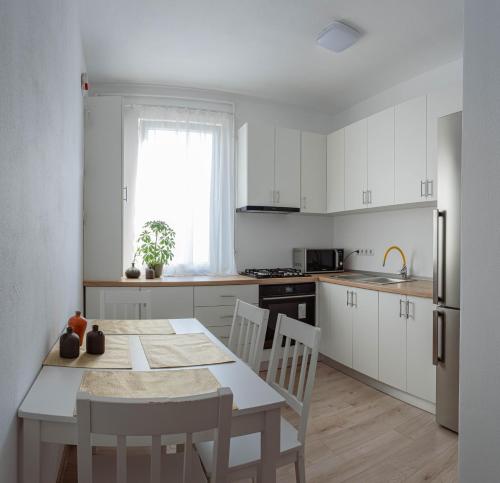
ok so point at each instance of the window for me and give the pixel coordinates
(179, 168)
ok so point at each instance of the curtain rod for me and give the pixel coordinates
(180, 107)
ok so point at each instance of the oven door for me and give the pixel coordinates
(299, 307)
(318, 261)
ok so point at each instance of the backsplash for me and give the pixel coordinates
(411, 229)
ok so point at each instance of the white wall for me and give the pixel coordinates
(479, 439)
(411, 229)
(260, 239)
(41, 126)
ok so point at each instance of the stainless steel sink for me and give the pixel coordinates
(384, 280)
(349, 276)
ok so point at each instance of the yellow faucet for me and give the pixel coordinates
(404, 270)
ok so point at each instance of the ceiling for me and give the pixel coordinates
(266, 48)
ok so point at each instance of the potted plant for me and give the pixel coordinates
(156, 244)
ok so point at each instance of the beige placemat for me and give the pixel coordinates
(150, 384)
(116, 356)
(135, 327)
(182, 350)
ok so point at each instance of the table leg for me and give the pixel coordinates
(270, 446)
(31, 451)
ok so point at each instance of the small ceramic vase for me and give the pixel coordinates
(78, 324)
(95, 341)
(132, 272)
(69, 344)
(150, 273)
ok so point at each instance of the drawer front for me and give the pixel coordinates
(214, 296)
(215, 316)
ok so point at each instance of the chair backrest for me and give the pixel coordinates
(125, 304)
(297, 392)
(248, 332)
(154, 418)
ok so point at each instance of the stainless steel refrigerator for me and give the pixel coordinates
(446, 268)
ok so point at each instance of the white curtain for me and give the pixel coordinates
(181, 170)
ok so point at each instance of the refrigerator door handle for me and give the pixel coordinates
(437, 338)
(438, 256)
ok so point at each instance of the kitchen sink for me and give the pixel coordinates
(350, 276)
(384, 280)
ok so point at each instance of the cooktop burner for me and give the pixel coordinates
(273, 273)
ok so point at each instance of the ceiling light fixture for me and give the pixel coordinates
(338, 36)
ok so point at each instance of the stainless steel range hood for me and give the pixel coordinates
(267, 209)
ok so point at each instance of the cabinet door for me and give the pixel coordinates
(256, 165)
(410, 150)
(336, 324)
(287, 168)
(102, 239)
(365, 332)
(380, 129)
(171, 302)
(335, 164)
(439, 103)
(355, 165)
(421, 373)
(392, 340)
(313, 172)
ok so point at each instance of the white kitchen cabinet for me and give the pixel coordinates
(335, 165)
(336, 323)
(166, 302)
(268, 172)
(102, 234)
(439, 103)
(410, 150)
(256, 153)
(356, 179)
(380, 142)
(364, 312)
(420, 372)
(313, 172)
(392, 340)
(287, 168)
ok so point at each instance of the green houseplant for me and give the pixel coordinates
(155, 245)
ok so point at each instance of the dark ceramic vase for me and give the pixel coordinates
(69, 344)
(132, 272)
(95, 341)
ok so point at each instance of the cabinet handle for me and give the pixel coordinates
(277, 196)
(401, 308)
(430, 183)
(354, 304)
(125, 193)
(407, 309)
(363, 198)
(347, 302)
(423, 189)
(370, 197)
(437, 337)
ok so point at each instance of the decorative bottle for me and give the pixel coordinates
(69, 344)
(78, 324)
(132, 272)
(95, 341)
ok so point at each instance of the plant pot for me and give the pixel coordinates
(158, 270)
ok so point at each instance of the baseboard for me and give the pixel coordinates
(380, 386)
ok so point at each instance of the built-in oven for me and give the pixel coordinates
(297, 300)
(318, 260)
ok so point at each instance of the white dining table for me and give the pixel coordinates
(47, 411)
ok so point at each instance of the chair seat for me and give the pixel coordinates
(138, 468)
(245, 450)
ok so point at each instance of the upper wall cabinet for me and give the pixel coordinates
(380, 142)
(313, 169)
(268, 166)
(102, 240)
(335, 171)
(356, 179)
(411, 150)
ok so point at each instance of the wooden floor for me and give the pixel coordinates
(358, 434)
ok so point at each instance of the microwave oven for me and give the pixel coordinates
(318, 260)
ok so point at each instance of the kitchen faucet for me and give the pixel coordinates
(404, 269)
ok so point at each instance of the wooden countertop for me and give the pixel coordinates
(418, 288)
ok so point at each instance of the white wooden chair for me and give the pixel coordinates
(152, 418)
(244, 454)
(248, 332)
(125, 304)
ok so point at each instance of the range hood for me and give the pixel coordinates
(267, 209)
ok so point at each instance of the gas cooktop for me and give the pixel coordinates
(273, 273)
